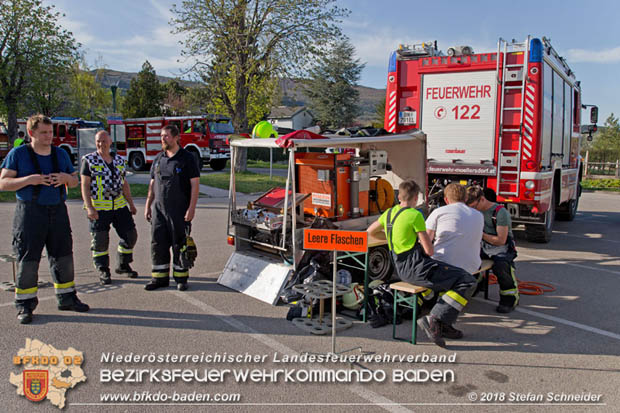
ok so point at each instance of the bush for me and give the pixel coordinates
(609, 184)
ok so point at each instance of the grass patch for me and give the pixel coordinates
(246, 182)
(137, 191)
(255, 163)
(601, 184)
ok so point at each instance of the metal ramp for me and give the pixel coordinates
(512, 81)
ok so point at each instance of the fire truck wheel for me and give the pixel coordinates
(379, 264)
(217, 164)
(542, 233)
(198, 159)
(568, 210)
(71, 156)
(136, 161)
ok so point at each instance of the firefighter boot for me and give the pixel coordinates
(156, 283)
(104, 276)
(126, 269)
(24, 316)
(70, 302)
(448, 331)
(432, 327)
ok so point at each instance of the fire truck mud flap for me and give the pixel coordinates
(258, 276)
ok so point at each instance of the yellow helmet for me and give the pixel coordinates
(264, 129)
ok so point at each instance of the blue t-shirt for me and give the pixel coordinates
(19, 160)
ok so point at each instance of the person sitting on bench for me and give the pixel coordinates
(404, 226)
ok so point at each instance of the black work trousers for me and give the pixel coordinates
(456, 284)
(123, 223)
(167, 231)
(36, 226)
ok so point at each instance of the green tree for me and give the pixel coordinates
(87, 98)
(33, 49)
(175, 101)
(606, 144)
(262, 96)
(144, 97)
(239, 43)
(379, 115)
(331, 88)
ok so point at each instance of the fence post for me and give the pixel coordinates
(585, 167)
(617, 168)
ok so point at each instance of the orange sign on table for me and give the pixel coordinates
(335, 240)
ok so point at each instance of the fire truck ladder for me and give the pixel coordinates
(509, 159)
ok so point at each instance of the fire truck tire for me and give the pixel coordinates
(217, 164)
(379, 264)
(542, 233)
(71, 156)
(568, 210)
(137, 162)
(197, 158)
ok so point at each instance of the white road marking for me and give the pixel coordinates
(572, 264)
(558, 320)
(362, 392)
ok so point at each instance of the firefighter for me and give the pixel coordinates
(107, 199)
(20, 139)
(497, 245)
(39, 172)
(170, 207)
(411, 248)
(456, 232)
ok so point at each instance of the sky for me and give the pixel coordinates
(122, 34)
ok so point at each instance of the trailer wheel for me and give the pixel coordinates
(379, 264)
(217, 164)
(542, 233)
(136, 161)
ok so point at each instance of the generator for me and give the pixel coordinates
(338, 184)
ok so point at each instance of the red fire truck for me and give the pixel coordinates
(65, 132)
(204, 136)
(507, 120)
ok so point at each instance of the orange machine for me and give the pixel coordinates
(331, 184)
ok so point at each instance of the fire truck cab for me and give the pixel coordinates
(203, 136)
(508, 120)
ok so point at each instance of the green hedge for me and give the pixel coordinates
(606, 184)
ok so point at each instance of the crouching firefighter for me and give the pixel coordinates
(411, 249)
(107, 200)
(39, 172)
(497, 245)
(170, 208)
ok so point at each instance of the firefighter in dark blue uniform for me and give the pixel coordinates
(170, 207)
(38, 172)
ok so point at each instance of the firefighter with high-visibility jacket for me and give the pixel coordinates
(170, 207)
(107, 200)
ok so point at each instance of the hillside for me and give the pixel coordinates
(292, 91)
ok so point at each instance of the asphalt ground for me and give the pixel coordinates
(563, 342)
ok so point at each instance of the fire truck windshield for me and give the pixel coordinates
(221, 127)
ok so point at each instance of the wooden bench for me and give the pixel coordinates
(412, 300)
